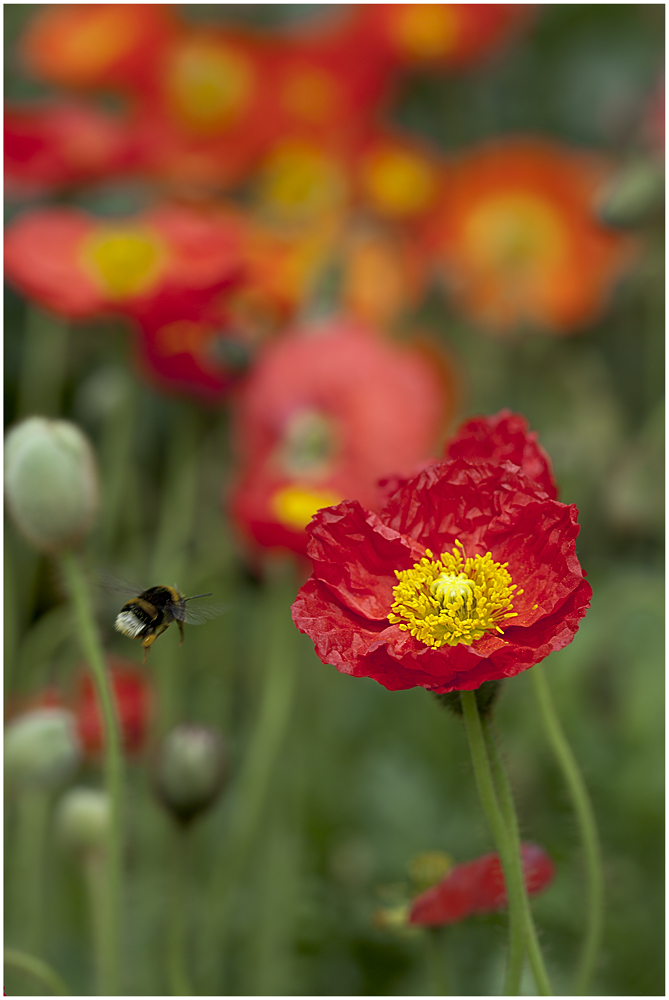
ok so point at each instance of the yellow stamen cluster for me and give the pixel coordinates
(453, 599)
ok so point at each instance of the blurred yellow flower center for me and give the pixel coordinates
(294, 506)
(309, 94)
(425, 30)
(514, 232)
(124, 260)
(209, 85)
(300, 183)
(453, 599)
(398, 182)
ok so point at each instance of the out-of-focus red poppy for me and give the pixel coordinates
(203, 118)
(133, 700)
(468, 574)
(62, 144)
(198, 351)
(478, 887)
(325, 413)
(320, 88)
(452, 35)
(80, 265)
(517, 238)
(96, 45)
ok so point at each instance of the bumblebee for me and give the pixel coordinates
(147, 615)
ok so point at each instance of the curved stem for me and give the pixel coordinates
(113, 764)
(588, 829)
(37, 968)
(508, 808)
(511, 865)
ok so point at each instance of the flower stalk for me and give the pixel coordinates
(113, 767)
(587, 826)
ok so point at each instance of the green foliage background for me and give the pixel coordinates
(367, 778)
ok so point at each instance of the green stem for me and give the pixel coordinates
(95, 865)
(33, 812)
(588, 828)
(511, 865)
(177, 966)
(508, 808)
(37, 968)
(435, 947)
(43, 365)
(113, 764)
(260, 761)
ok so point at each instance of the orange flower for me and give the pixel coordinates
(97, 44)
(79, 265)
(446, 34)
(518, 240)
(325, 413)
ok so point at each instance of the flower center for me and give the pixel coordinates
(294, 505)
(209, 85)
(398, 182)
(453, 599)
(515, 233)
(425, 30)
(125, 261)
(299, 183)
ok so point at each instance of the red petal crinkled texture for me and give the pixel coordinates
(486, 508)
(478, 887)
(504, 437)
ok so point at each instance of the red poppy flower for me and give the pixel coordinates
(61, 144)
(468, 574)
(319, 420)
(80, 266)
(478, 887)
(96, 45)
(193, 351)
(452, 35)
(506, 437)
(396, 177)
(132, 697)
(518, 240)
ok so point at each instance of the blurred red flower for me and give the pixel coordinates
(81, 266)
(517, 237)
(398, 178)
(326, 411)
(132, 697)
(478, 887)
(62, 144)
(468, 574)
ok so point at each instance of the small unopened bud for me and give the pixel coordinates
(191, 768)
(428, 868)
(83, 820)
(51, 483)
(41, 748)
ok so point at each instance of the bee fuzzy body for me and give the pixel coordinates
(147, 615)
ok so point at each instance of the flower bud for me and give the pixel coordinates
(41, 748)
(51, 483)
(83, 820)
(190, 771)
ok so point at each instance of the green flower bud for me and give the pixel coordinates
(83, 820)
(41, 748)
(51, 483)
(190, 770)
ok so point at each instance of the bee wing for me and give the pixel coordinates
(199, 613)
(118, 585)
